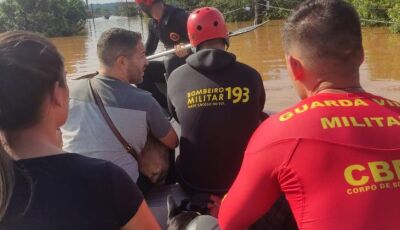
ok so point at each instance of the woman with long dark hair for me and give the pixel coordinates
(6, 181)
(52, 189)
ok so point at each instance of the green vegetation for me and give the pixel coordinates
(374, 12)
(122, 8)
(394, 15)
(379, 12)
(234, 10)
(276, 13)
(50, 17)
(67, 17)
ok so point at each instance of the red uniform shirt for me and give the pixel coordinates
(335, 156)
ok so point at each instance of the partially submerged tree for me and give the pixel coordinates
(50, 17)
(260, 8)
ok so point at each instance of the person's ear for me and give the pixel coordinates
(59, 96)
(121, 61)
(296, 67)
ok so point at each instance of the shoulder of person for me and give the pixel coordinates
(134, 89)
(178, 13)
(175, 9)
(278, 127)
(248, 68)
(181, 13)
(73, 165)
(250, 73)
(180, 74)
(269, 132)
(87, 163)
(137, 95)
(301, 121)
(93, 169)
(92, 165)
(130, 91)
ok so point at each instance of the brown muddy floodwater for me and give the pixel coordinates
(261, 49)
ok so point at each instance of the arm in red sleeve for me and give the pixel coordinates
(255, 189)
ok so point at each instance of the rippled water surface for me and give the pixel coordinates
(261, 49)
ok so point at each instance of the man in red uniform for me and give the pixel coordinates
(336, 154)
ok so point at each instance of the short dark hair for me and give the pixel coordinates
(29, 67)
(326, 29)
(222, 41)
(116, 42)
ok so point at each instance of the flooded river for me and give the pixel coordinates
(261, 49)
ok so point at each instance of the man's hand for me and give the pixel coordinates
(180, 51)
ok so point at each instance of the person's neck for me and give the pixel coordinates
(109, 72)
(215, 47)
(34, 142)
(212, 44)
(337, 83)
(329, 87)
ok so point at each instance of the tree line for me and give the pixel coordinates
(123, 8)
(373, 12)
(50, 17)
(67, 17)
(56, 17)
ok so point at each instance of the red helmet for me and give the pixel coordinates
(205, 24)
